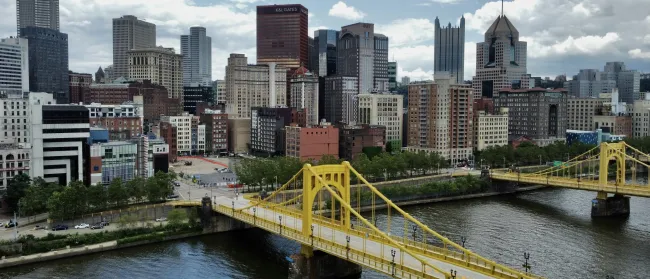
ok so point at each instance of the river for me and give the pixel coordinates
(553, 225)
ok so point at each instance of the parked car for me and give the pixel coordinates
(82, 226)
(59, 227)
(38, 227)
(173, 196)
(161, 219)
(97, 226)
(104, 223)
(177, 184)
(11, 224)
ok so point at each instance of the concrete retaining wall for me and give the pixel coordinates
(142, 214)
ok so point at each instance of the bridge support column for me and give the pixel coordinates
(206, 212)
(310, 264)
(604, 206)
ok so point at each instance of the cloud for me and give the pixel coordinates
(407, 31)
(416, 75)
(637, 53)
(342, 10)
(589, 45)
(446, 1)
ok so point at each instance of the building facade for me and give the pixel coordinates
(440, 118)
(183, 124)
(380, 63)
(353, 139)
(48, 62)
(340, 103)
(14, 65)
(168, 132)
(627, 81)
(123, 122)
(37, 13)
(219, 92)
(325, 52)
(267, 130)
(386, 110)
(79, 86)
(536, 113)
(641, 118)
(14, 160)
(581, 111)
(216, 131)
(304, 94)
(282, 35)
(250, 86)
(392, 76)
(196, 94)
(160, 65)
(355, 55)
(620, 125)
(129, 33)
(312, 143)
(500, 60)
(491, 130)
(449, 50)
(588, 84)
(59, 141)
(196, 49)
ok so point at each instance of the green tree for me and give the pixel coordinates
(57, 207)
(16, 188)
(97, 197)
(372, 151)
(328, 160)
(117, 194)
(176, 217)
(135, 188)
(126, 221)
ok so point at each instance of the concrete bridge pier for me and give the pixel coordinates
(310, 264)
(604, 206)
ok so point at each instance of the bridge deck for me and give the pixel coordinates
(362, 250)
(573, 183)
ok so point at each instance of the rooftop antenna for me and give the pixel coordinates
(501, 8)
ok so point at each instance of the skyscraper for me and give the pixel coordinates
(380, 63)
(48, 62)
(196, 49)
(325, 52)
(160, 65)
(450, 50)
(627, 81)
(282, 35)
(355, 54)
(39, 13)
(129, 33)
(14, 65)
(392, 76)
(500, 60)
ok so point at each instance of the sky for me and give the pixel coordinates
(563, 35)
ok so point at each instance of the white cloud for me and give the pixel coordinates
(415, 75)
(447, 1)
(342, 10)
(589, 45)
(408, 31)
(637, 53)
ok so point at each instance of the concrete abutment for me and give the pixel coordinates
(315, 264)
(614, 206)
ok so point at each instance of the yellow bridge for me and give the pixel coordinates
(590, 171)
(325, 216)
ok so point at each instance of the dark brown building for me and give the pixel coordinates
(79, 84)
(353, 139)
(157, 103)
(119, 128)
(216, 131)
(168, 132)
(484, 104)
(282, 35)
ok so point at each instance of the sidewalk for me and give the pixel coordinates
(24, 221)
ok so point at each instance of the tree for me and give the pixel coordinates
(176, 217)
(117, 194)
(328, 160)
(97, 197)
(16, 188)
(135, 189)
(126, 221)
(371, 151)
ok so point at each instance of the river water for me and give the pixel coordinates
(553, 225)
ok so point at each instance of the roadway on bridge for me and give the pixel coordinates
(357, 243)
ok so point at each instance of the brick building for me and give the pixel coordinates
(157, 103)
(168, 132)
(312, 143)
(353, 139)
(216, 131)
(79, 85)
(267, 128)
(123, 122)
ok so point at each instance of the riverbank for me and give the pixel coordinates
(86, 250)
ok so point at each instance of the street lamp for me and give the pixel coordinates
(540, 159)
(504, 162)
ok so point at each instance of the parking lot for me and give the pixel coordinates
(209, 182)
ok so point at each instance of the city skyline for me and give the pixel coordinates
(559, 51)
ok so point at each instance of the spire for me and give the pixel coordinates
(501, 7)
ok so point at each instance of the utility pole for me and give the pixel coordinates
(15, 227)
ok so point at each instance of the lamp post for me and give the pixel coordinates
(540, 159)
(504, 162)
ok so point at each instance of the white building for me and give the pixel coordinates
(385, 110)
(14, 76)
(58, 135)
(220, 91)
(200, 138)
(491, 129)
(250, 86)
(160, 65)
(581, 111)
(304, 94)
(97, 110)
(183, 125)
(196, 49)
(15, 147)
(641, 117)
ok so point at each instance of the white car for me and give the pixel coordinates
(162, 219)
(82, 226)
